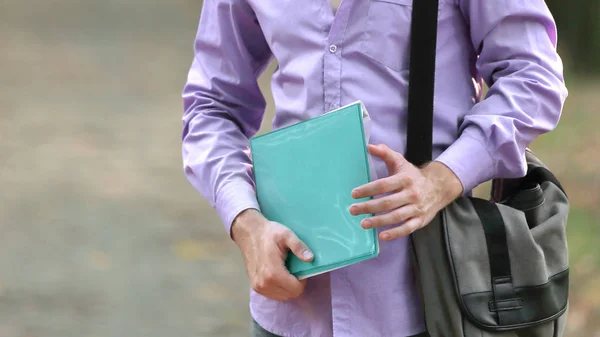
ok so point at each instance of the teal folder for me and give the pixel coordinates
(305, 174)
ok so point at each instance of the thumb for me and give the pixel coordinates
(298, 247)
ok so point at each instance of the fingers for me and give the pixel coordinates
(297, 247)
(273, 280)
(393, 160)
(382, 151)
(278, 284)
(382, 186)
(411, 199)
(395, 163)
(291, 284)
(396, 216)
(405, 229)
(385, 204)
(287, 281)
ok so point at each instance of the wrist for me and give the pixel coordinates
(242, 223)
(445, 182)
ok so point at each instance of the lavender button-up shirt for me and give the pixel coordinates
(362, 53)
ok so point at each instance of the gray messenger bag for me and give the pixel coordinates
(486, 268)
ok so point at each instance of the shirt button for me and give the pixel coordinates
(332, 48)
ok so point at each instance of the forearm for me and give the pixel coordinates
(223, 106)
(216, 163)
(517, 58)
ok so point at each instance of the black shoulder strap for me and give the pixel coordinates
(421, 81)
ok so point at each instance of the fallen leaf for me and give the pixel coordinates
(213, 292)
(99, 260)
(190, 250)
(198, 250)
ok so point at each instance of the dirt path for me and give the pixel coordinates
(100, 233)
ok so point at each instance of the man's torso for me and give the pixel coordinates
(327, 60)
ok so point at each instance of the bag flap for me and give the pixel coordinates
(509, 260)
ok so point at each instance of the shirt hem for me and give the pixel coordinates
(269, 329)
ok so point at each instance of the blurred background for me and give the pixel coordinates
(100, 233)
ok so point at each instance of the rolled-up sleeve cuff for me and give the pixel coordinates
(232, 199)
(470, 161)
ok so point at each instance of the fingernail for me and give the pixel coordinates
(366, 223)
(385, 236)
(307, 254)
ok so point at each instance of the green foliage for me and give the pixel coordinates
(583, 232)
(579, 33)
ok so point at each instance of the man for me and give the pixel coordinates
(328, 59)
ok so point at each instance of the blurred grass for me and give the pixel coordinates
(583, 232)
(572, 152)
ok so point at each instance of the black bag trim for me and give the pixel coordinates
(537, 173)
(505, 304)
(541, 174)
(539, 304)
(527, 199)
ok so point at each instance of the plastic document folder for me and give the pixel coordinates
(305, 174)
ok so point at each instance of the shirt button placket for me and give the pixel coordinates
(331, 77)
(332, 66)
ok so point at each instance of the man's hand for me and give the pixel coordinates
(264, 245)
(414, 196)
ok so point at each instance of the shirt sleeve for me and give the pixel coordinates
(515, 42)
(223, 106)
